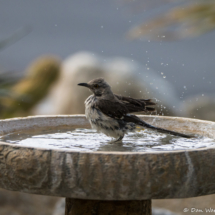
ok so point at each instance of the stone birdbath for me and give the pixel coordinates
(106, 182)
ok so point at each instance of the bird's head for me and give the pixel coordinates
(98, 86)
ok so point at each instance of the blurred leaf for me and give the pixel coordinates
(19, 34)
(20, 98)
(179, 22)
(140, 5)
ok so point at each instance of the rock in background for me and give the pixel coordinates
(125, 76)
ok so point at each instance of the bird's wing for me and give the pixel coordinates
(114, 109)
(136, 105)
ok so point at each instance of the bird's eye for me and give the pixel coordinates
(96, 85)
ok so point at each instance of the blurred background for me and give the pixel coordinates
(160, 49)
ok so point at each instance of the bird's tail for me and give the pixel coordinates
(138, 121)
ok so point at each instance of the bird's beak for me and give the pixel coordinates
(84, 85)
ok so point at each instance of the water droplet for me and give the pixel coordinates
(164, 76)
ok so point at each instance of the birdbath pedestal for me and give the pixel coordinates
(106, 182)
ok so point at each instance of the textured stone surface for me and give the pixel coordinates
(107, 175)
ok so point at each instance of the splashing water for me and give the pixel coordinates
(90, 140)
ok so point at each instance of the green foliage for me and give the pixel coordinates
(26, 93)
(190, 19)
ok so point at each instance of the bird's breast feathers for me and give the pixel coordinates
(99, 121)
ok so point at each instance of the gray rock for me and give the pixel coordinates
(125, 76)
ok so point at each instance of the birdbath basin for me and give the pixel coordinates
(106, 182)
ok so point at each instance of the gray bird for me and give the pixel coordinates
(110, 113)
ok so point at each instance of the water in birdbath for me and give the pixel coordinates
(90, 140)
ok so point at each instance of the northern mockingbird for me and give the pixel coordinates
(110, 114)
